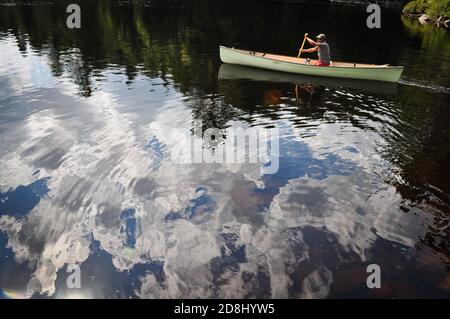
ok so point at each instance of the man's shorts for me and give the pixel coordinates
(320, 63)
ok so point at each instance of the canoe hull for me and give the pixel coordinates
(380, 73)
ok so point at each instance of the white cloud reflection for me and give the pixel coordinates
(95, 152)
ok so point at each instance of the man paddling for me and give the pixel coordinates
(322, 48)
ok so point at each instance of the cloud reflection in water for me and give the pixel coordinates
(103, 193)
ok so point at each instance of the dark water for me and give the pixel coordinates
(89, 117)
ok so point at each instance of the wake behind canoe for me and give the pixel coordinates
(300, 66)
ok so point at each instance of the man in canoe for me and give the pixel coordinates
(322, 48)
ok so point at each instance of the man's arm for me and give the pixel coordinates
(310, 50)
(314, 43)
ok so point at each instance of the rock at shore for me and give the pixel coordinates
(424, 19)
(447, 24)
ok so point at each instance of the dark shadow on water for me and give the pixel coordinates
(23, 199)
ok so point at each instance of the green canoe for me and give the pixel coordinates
(301, 66)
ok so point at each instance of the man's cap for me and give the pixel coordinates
(321, 36)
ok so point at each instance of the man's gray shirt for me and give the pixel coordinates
(324, 53)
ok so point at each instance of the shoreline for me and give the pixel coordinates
(425, 19)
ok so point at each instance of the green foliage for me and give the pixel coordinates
(434, 8)
(439, 8)
(416, 6)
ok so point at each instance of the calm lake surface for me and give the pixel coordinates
(89, 119)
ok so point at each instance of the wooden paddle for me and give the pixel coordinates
(301, 48)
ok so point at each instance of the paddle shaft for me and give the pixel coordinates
(303, 44)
